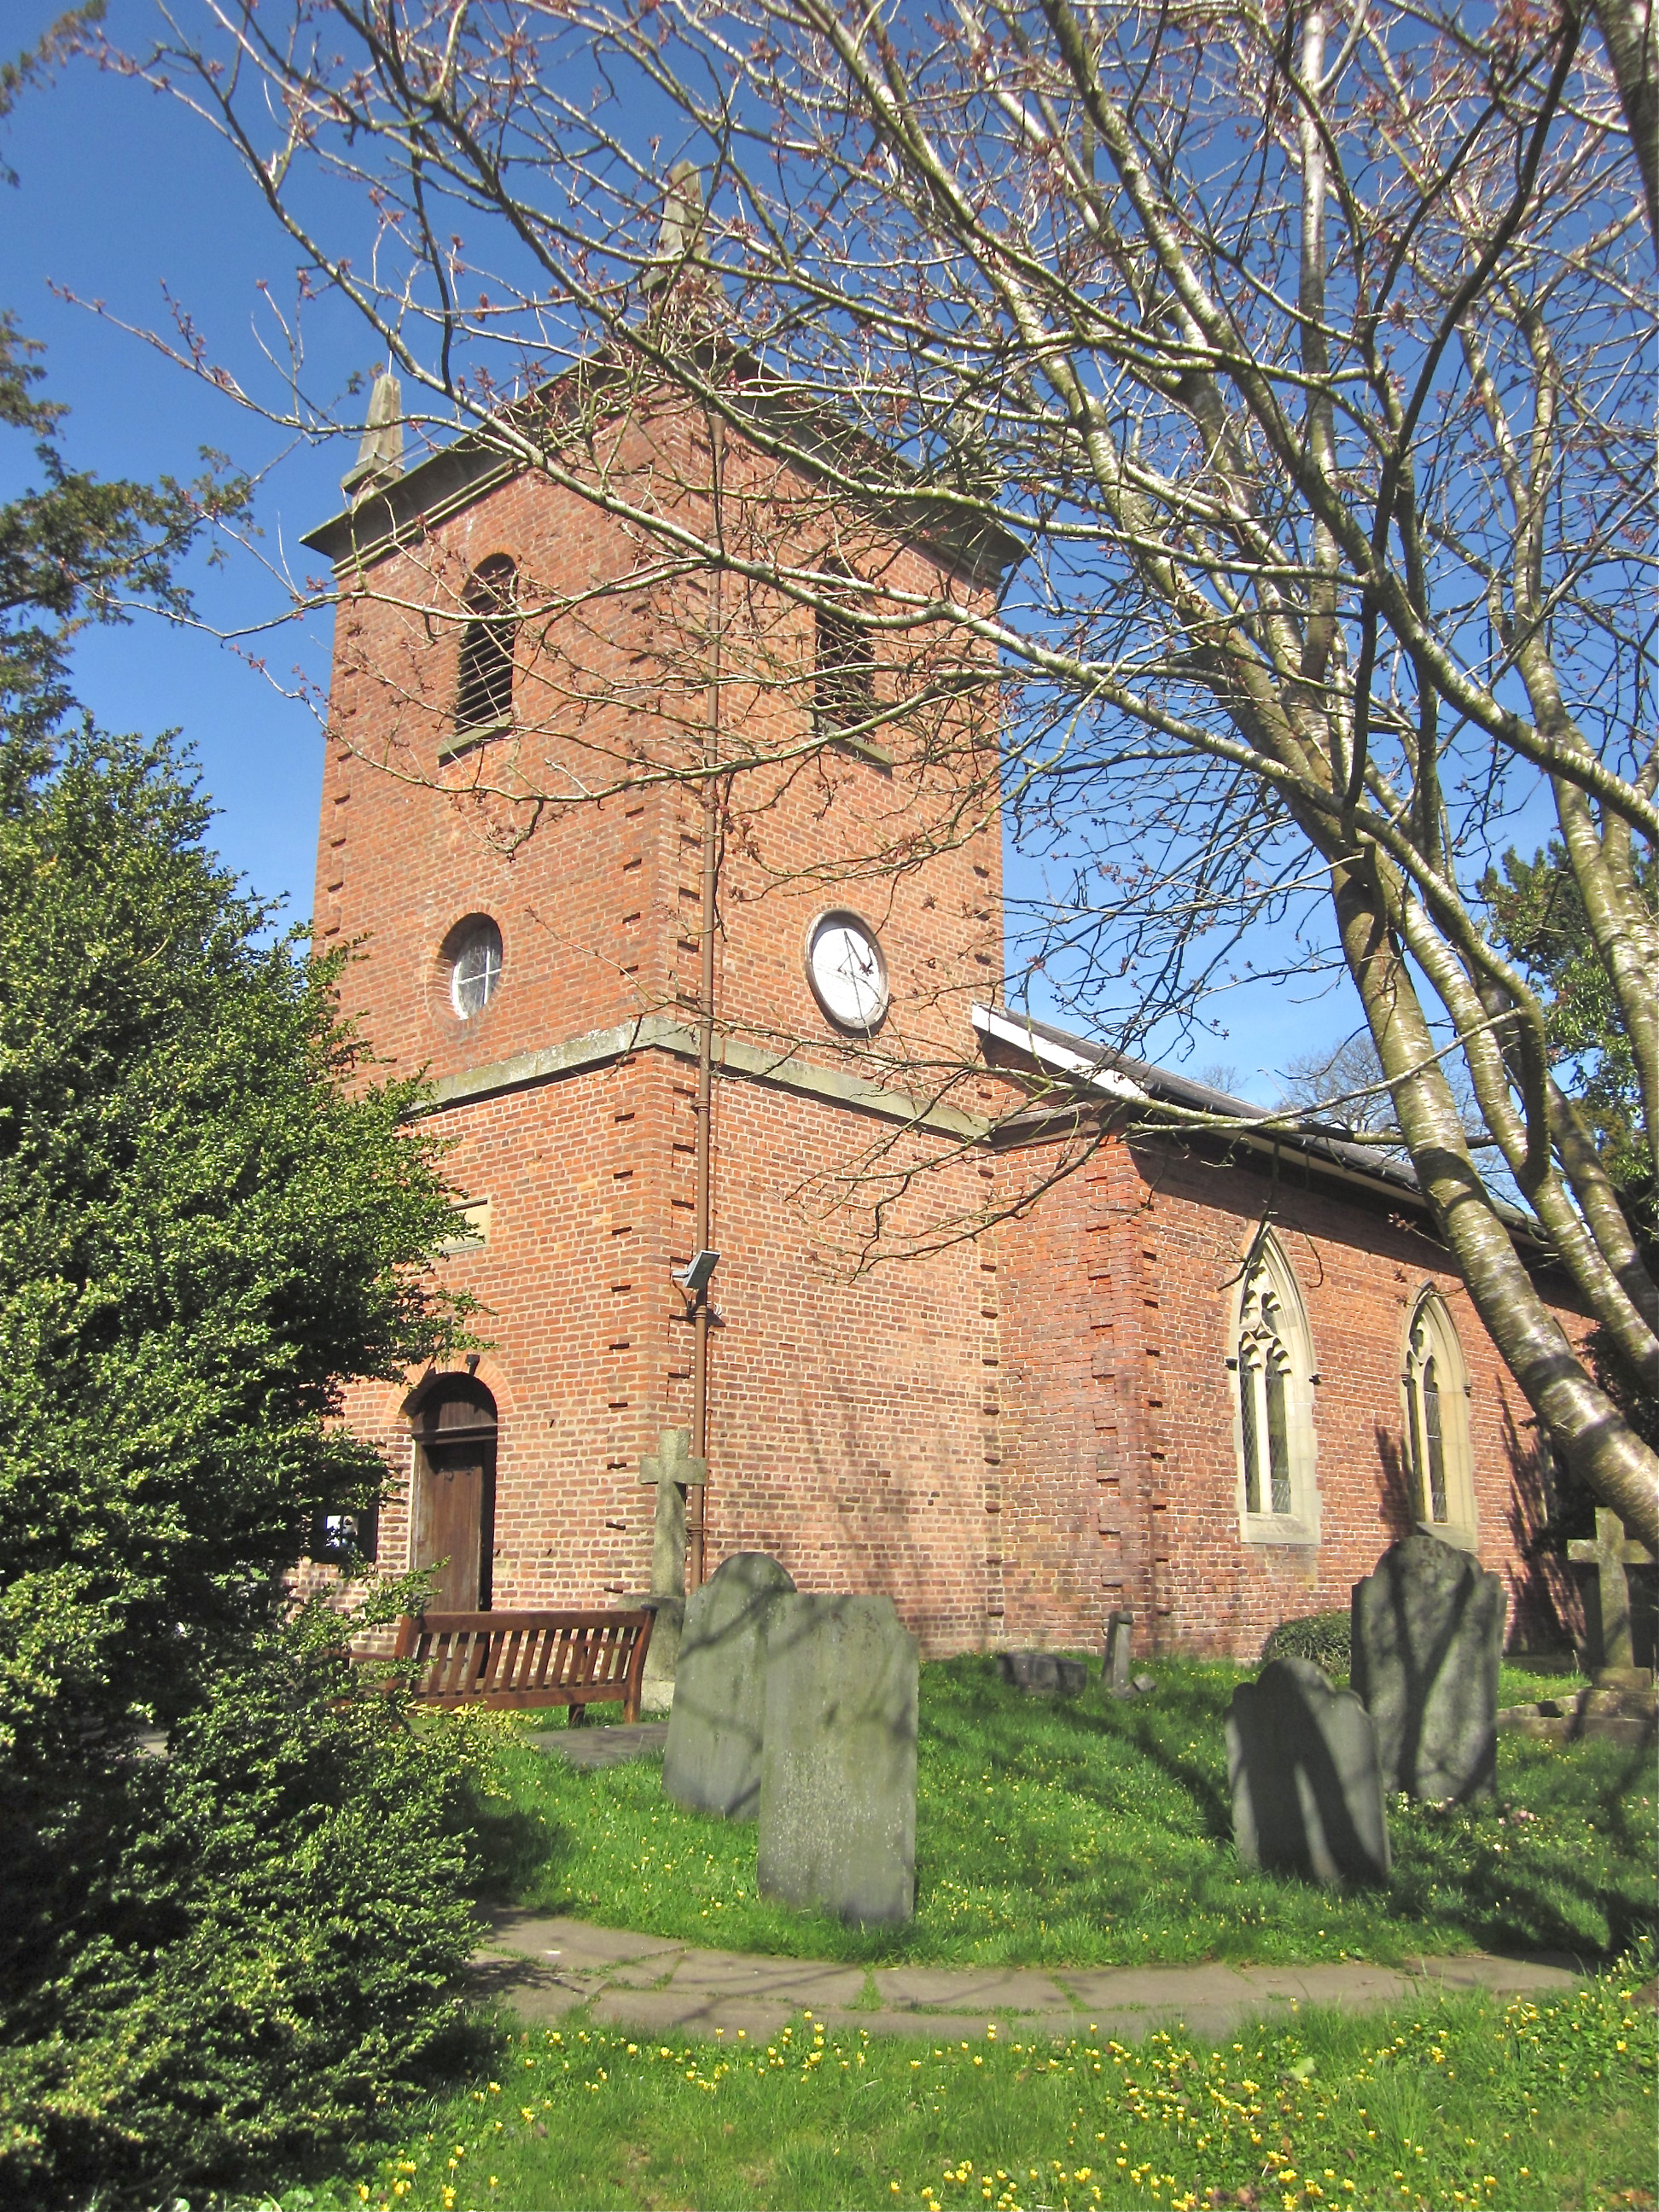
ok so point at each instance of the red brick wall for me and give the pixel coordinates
(847, 1431)
(1122, 1408)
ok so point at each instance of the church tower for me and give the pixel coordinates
(679, 891)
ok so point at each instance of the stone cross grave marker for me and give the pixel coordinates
(668, 1470)
(1606, 1613)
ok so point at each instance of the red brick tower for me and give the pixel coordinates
(574, 791)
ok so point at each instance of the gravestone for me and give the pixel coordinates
(1302, 1764)
(1607, 1610)
(1427, 1628)
(669, 1471)
(1043, 1673)
(838, 1768)
(1120, 1627)
(712, 1760)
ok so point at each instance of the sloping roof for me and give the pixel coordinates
(1118, 1077)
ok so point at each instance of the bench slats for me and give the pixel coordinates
(525, 1659)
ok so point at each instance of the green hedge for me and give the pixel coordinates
(1321, 1637)
(244, 1955)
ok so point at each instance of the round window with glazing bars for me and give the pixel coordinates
(475, 973)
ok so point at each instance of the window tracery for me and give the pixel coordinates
(1437, 1393)
(1273, 1370)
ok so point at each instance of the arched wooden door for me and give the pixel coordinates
(455, 1490)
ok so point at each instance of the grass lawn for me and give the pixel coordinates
(1459, 2105)
(1089, 1833)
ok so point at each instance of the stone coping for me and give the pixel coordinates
(542, 1967)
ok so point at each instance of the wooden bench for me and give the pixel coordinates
(524, 1659)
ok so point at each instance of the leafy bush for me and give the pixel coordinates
(261, 1953)
(1323, 1638)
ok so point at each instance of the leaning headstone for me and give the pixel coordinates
(713, 1759)
(1119, 1626)
(1302, 1762)
(838, 1770)
(1043, 1673)
(1428, 1637)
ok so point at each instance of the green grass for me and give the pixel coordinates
(1088, 1834)
(1461, 2104)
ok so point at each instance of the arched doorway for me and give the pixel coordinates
(454, 1427)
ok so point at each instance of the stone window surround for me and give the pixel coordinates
(1300, 1527)
(1430, 1331)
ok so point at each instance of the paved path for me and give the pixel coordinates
(543, 1968)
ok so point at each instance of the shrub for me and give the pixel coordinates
(1323, 1638)
(265, 1952)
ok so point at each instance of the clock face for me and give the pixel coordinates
(847, 972)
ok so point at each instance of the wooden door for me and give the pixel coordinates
(455, 1521)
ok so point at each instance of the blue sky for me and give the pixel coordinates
(120, 195)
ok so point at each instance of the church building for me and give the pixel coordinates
(685, 896)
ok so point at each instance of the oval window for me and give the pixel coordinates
(475, 969)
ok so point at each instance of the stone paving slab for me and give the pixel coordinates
(1551, 1972)
(798, 1983)
(674, 2011)
(992, 1989)
(546, 1965)
(600, 1747)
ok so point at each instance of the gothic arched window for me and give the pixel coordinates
(1273, 1370)
(483, 696)
(1437, 1390)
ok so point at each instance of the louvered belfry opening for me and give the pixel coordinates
(455, 1434)
(483, 697)
(844, 674)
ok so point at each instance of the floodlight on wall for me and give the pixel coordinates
(693, 1277)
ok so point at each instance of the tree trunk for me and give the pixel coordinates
(1579, 1416)
(1630, 35)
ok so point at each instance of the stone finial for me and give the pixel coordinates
(681, 227)
(380, 459)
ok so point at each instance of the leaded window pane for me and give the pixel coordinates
(1279, 1446)
(1247, 1374)
(1436, 1451)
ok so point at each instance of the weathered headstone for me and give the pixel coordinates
(1428, 1635)
(1120, 1627)
(1301, 1762)
(1606, 1592)
(713, 1759)
(838, 1769)
(1043, 1673)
